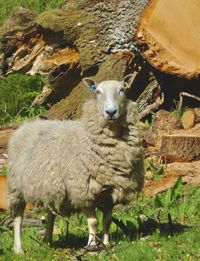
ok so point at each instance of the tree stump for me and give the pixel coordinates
(181, 146)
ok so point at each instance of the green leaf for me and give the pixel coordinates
(167, 199)
(158, 202)
(177, 189)
(4, 171)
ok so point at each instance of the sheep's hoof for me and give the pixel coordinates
(95, 248)
(19, 251)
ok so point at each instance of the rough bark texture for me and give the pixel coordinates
(95, 28)
(169, 35)
(182, 146)
(80, 38)
(164, 123)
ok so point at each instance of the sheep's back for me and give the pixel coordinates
(40, 156)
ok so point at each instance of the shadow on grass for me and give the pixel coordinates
(71, 241)
(146, 228)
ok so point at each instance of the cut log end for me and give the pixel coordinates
(181, 147)
(188, 119)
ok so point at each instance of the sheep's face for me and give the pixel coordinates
(110, 95)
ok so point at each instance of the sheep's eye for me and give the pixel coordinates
(121, 90)
(98, 92)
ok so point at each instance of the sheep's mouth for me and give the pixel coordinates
(111, 119)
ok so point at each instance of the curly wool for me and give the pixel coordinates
(70, 165)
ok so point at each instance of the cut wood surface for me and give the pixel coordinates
(188, 119)
(3, 192)
(189, 171)
(182, 146)
(169, 36)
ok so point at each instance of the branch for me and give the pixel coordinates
(152, 107)
(181, 94)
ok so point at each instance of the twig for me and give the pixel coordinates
(181, 94)
(148, 154)
(3, 225)
(97, 238)
(20, 112)
(4, 220)
(58, 215)
(152, 107)
(40, 243)
(6, 113)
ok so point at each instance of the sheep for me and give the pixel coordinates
(78, 165)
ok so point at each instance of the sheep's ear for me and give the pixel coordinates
(128, 80)
(90, 83)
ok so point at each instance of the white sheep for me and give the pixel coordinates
(65, 166)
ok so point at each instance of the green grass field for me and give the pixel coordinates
(165, 227)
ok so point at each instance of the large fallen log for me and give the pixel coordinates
(181, 146)
(169, 36)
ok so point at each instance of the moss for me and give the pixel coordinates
(77, 25)
(70, 107)
(20, 19)
(75, 5)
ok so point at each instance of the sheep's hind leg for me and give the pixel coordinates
(92, 226)
(49, 228)
(17, 230)
(107, 217)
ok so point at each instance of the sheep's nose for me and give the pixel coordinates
(111, 113)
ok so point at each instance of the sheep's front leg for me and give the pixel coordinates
(49, 228)
(92, 225)
(107, 217)
(17, 230)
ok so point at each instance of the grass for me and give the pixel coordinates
(17, 91)
(35, 5)
(178, 112)
(157, 170)
(145, 232)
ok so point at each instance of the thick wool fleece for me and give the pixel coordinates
(70, 165)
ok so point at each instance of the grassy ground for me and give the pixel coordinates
(165, 227)
(17, 92)
(36, 5)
